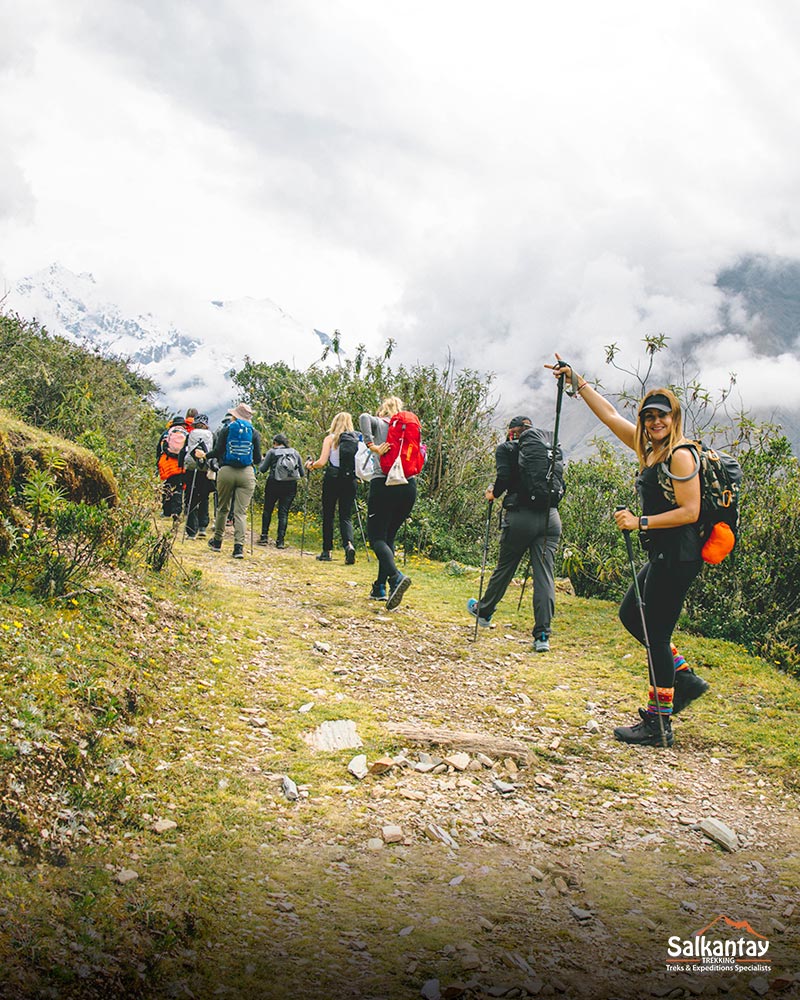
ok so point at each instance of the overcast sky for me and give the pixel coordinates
(497, 179)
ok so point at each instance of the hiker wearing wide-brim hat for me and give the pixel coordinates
(527, 528)
(668, 533)
(235, 454)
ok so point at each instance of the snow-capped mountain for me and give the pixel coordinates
(190, 368)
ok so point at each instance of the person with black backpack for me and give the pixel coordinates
(338, 458)
(668, 532)
(285, 469)
(236, 453)
(531, 474)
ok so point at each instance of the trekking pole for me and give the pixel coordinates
(640, 606)
(483, 567)
(550, 473)
(251, 525)
(305, 507)
(189, 505)
(361, 527)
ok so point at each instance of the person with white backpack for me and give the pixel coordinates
(285, 469)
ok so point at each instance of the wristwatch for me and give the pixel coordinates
(643, 523)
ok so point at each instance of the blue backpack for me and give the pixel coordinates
(239, 445)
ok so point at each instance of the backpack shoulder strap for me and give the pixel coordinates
(696, 448)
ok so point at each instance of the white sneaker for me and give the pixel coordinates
(541, 644)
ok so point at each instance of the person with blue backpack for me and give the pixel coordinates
(235, 455)
(285, 469)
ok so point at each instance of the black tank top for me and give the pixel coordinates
(681, 544)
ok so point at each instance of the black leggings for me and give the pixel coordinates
(663, 592)
(389, 506)
(281, 493)
(341, 490)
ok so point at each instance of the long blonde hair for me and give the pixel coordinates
(390, 406)
(641, 443)
(341, 422)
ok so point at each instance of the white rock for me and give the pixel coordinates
(458, 760)
(592, 726)
(307, 707)
(125, 876)
(322, 647)
(718, 831)
(339, 734)
(162, 825)
(358, 766)
(392, 834)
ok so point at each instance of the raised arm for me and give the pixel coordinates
(623, 428)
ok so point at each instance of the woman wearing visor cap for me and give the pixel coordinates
(670, 538)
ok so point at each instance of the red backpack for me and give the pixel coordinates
(403, 437)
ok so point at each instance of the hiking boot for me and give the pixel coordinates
(378, 592)
(541, 643)
(238, 551)
(688, 686)
(472, 607)
(201, 533)
(215, 545)
(324, 557)
(647, 732)
(263, 540)
(398, 585)
(280, 545)
(350, 554)
(190, 535)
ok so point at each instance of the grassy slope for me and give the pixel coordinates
(143, 708)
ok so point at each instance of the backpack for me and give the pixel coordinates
(365, 467)
(175, 439)
(288, 465)
(348, 449)
(239, 445)
(720, 478)
(541, 469)
(404, 430)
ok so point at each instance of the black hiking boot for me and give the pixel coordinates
(263, 540)
(280, 544)
(238, 551)
(350, 554)
(397, 587)
(378, 592)
(646, 733)
(688, 687)
(215, 545)
(324, 557)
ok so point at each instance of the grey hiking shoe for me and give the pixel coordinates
(397, 587)
(472, 607)
(238, 551)
(541, 643)
(215, 545)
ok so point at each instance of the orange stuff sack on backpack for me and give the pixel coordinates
(719, 543)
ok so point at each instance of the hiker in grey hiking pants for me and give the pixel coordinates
(522, 533)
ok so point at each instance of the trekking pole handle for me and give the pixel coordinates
(626, 533)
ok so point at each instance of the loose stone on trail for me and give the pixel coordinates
(162, 825)
(289, 788)
(339, 734)
(358, 766)
(718, 831)
(434, 832)
(125, 876)
(392, 834)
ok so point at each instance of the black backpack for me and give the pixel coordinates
(541, 469)
(348, 447)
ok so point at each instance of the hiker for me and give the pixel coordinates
(170, 454)
(389, 506)
(527, 527)
(199, 486)
(234, 456)
(669, 536)
(227, 418)
(339, 483)
(190, 418)
(285, 468)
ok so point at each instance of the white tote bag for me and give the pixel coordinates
(395, 476)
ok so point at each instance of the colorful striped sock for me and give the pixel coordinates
(680, 662)
(664, 704)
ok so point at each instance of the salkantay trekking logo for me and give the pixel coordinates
(701, 953)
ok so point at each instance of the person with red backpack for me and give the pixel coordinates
(170, 457)
(393, 437)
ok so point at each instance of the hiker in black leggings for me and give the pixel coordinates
(669, 536)
(388, 508)
(336, 489)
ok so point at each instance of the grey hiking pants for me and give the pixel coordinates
(523, 533)
(243, 481)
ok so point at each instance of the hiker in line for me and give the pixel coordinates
(198, 486)
(170, 457)
(227, 418)
(526, 528)
(669, 536)
(236, 453)
(339, 483)
(388, 506)
(285, 468)
(190, 419)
